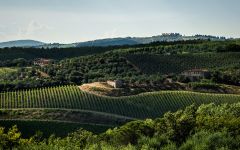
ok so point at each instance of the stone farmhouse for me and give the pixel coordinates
(115, 83)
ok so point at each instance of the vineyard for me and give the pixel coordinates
(178, 63)
(148, 105)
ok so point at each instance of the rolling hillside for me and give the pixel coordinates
(162, 64)
(147, 105)
(145, 40)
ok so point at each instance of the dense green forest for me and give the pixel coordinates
(206, 127)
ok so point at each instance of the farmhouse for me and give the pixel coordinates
(41, 62)
(196, 74)
(115, 83)
(168, 80)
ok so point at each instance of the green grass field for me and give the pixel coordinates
(147, 105)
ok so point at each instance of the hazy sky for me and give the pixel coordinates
(80, 20)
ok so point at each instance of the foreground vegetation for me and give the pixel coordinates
(58, 128)
(148, 105)
(206, 127)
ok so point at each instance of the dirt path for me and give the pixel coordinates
(97, 88)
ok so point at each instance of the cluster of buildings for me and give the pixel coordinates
(196, 74)
(42, 62)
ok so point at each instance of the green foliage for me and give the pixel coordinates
(179, 48)
(129, 133)
(151, 64)
(215, 117)
(229, 75)
(204, 85)
(58, 128)
(92, 68)
(54, 53)
(180, 130)
(9, 139)
(179, 124)
(205, 140)
(156, 142)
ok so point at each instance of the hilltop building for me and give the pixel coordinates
(115, 83)
(168, 80)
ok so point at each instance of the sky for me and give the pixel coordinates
(68, 21)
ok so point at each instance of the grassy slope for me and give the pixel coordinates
(147, 105)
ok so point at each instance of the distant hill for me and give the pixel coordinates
(168, 37)
(21, 43)
(144, 40)
(110, 42)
